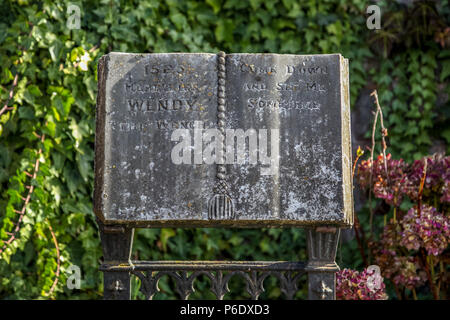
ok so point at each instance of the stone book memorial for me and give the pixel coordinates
(223, 140)
(261, 139)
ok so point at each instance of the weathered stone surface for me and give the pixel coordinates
(143, 98)
(306, 98)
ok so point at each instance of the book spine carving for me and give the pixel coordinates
(221, 204)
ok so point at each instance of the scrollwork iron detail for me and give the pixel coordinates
(184, 283)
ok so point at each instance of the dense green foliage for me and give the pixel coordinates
(53, 107)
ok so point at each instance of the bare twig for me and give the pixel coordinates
(397, 292)
(372, 149)
(359, 153)
(384, 131)
(384, 134)
(423, 258)
(422, 183)
(359, 240)
(15, 81)
(358, 228)
(21, 213)
(11, 94)
(58, 257)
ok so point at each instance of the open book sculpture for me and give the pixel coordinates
(246, 140)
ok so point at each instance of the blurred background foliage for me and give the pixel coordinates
(49, 120)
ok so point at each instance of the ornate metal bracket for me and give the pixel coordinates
(117, 242)
(321, 267)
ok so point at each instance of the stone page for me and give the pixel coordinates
(296, 102)
(143, 98)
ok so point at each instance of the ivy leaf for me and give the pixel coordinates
(54, 50)
(85, 206)
(446, 134)
(178, 20)
(215, 4)
(224, 30)
(445, 69)
(73, 179)
(77, 132)
(26, 112)
(31, 92)
(84, 166)
(255, 4)
(62, 105)
(166, 234)
(50, 129)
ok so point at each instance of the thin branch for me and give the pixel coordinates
(358, 228)
(359, 240)
(26, 202)
(15, 81)
(423, 259)
(422, 183)
(384, 132)
(371, 173)
(58, 257)
(11, 94)
(359, 153)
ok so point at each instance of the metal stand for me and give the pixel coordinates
(117, 267)
(322, 267)
(117, 242)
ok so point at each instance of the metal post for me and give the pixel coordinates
(117, 242)
(322, 267)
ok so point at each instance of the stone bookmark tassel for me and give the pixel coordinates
(221, 205)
